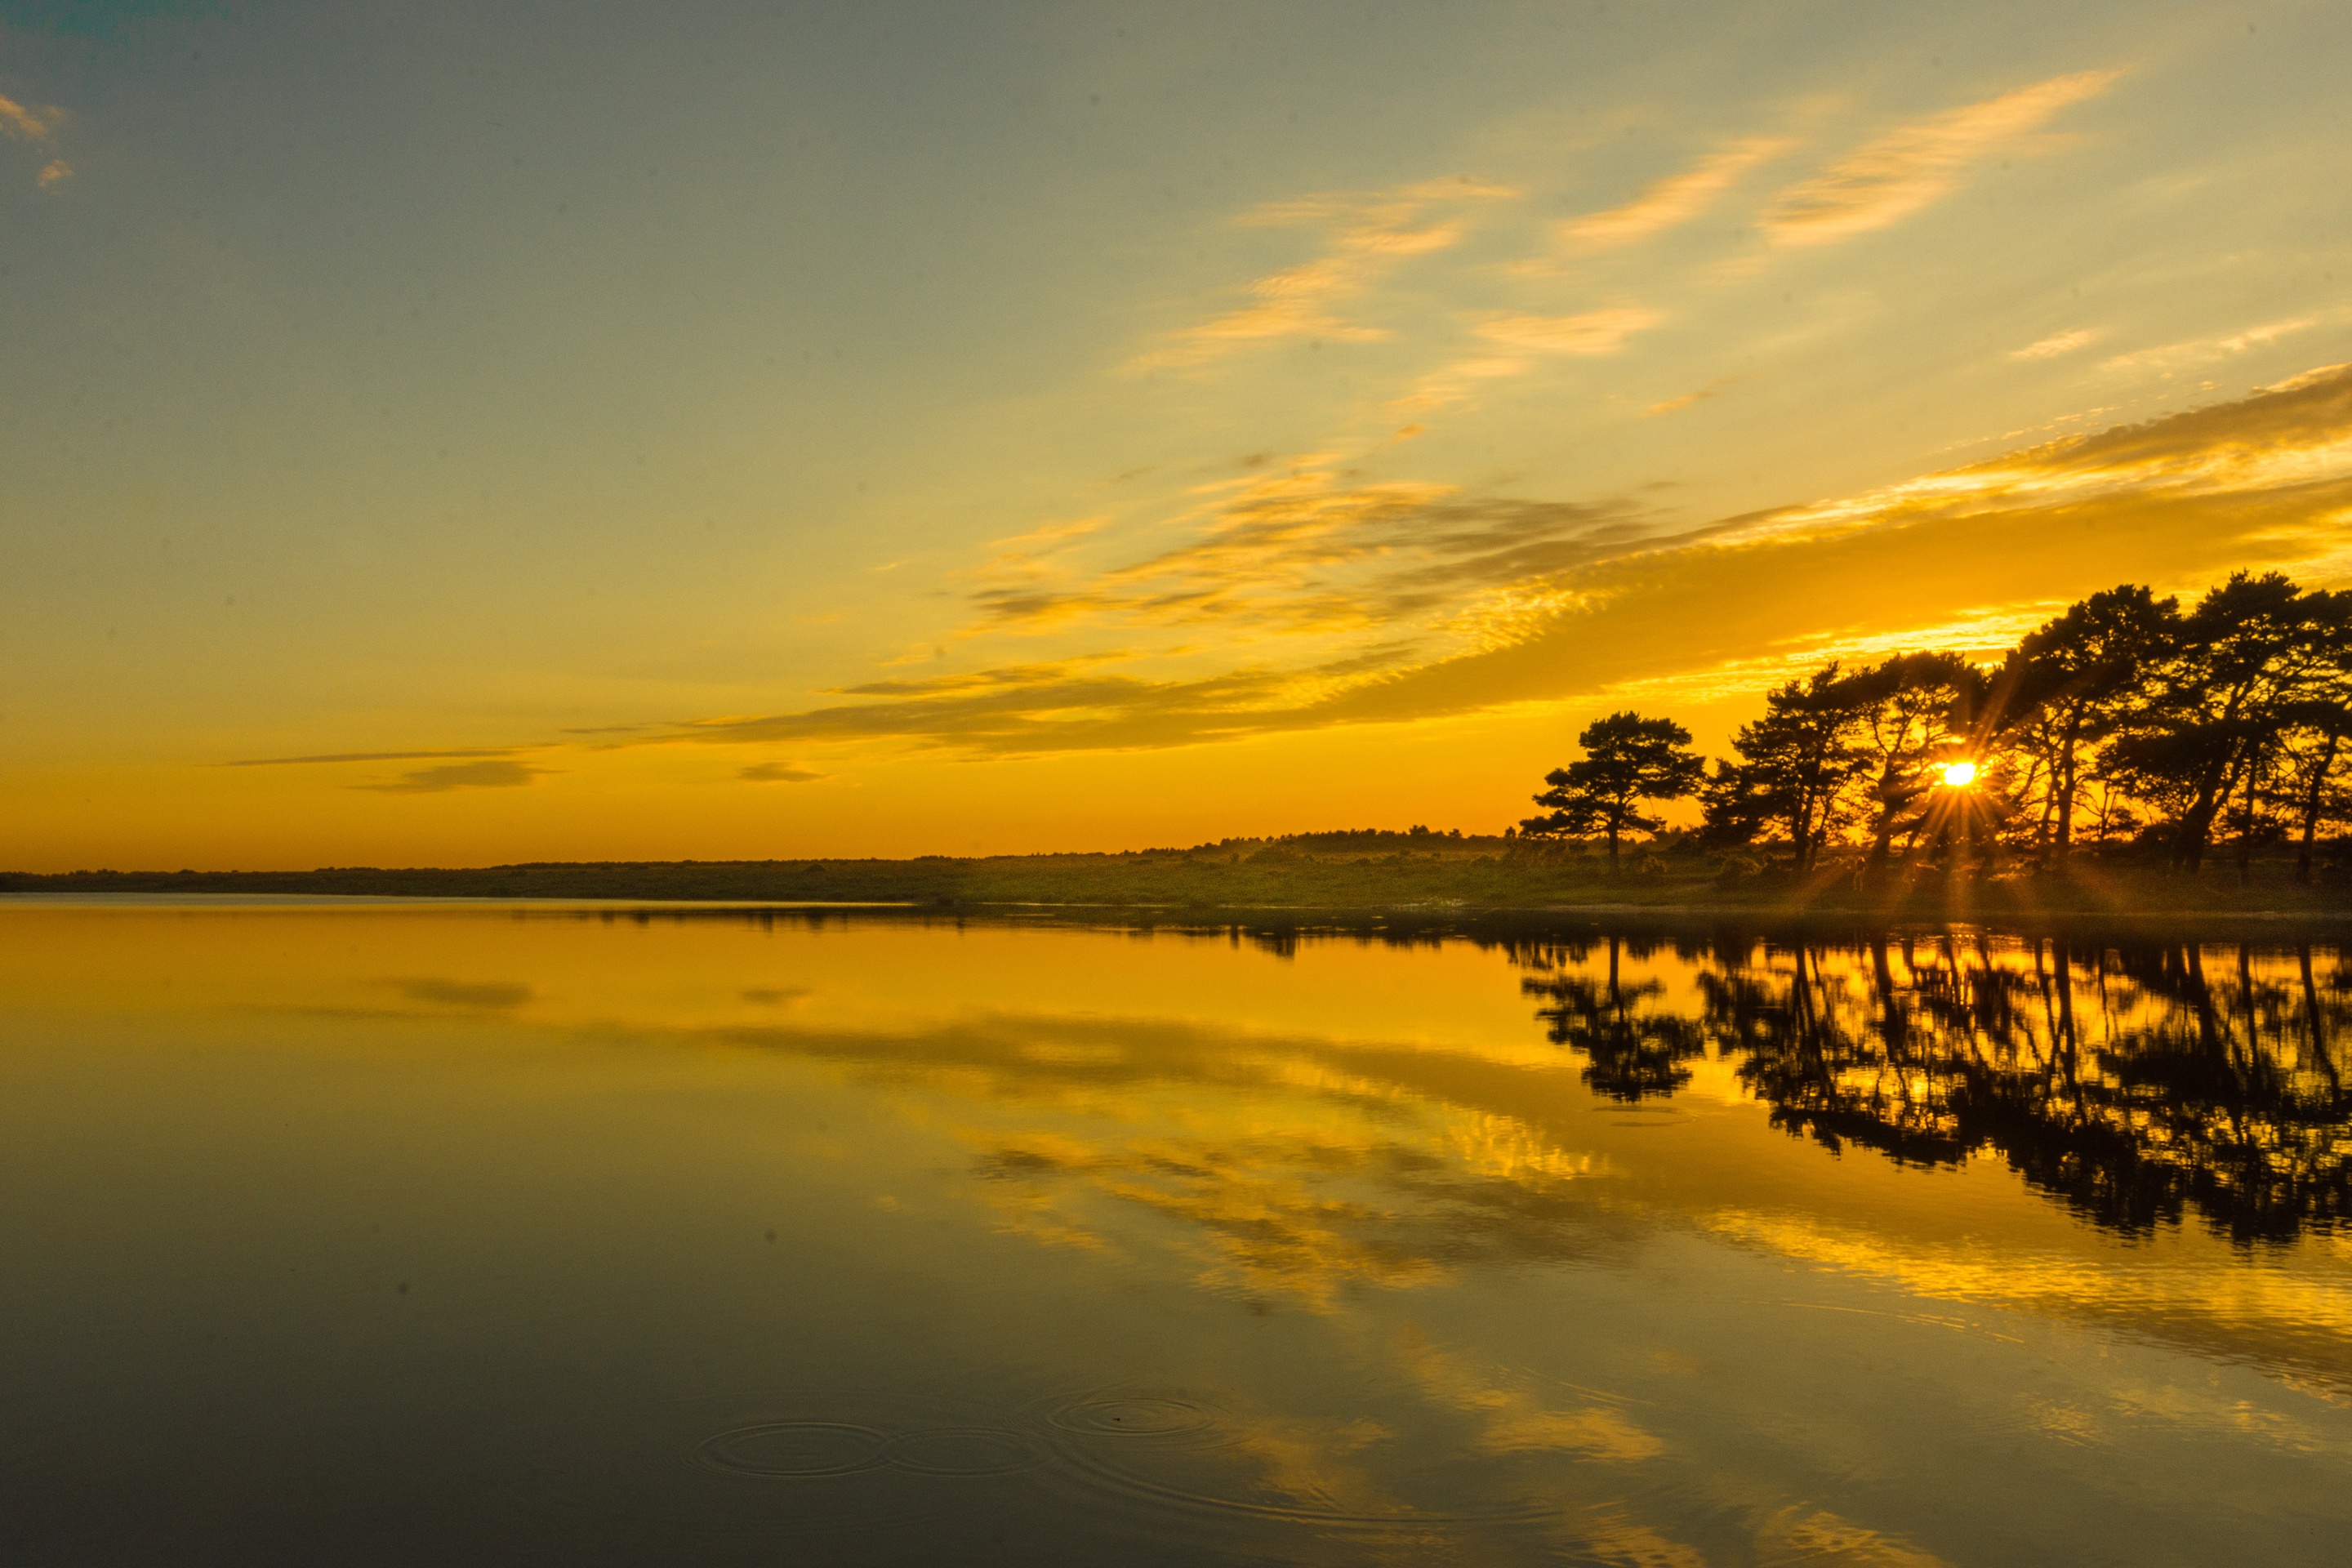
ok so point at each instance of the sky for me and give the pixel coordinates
(470, 434)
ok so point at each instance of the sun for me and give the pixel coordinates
(1959, 775)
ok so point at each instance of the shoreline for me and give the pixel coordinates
(1432, 915)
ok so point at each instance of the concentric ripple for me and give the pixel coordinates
(795, 1448)
(965, 1451)
(1144, 1416)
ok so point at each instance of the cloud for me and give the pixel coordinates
(56, 172)
(1594, 333)
(1456, 384)
(2057, 343)
(457, 776)
(379, 756)
(1674, 200)
(1371, 235)
(1915, 166)
(1008, 675)
(1575, 599)
(1676, 404)
(1047, 538)
(28, 123)
(2198, 351)
(778, 773)
(1308, 547)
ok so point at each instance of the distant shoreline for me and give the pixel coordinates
(1455, 880)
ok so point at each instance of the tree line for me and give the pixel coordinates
(2128, 718)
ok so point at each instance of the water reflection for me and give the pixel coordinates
(2135, 1083)
(1287, 1242)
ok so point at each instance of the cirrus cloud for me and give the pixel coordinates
(1912, 166)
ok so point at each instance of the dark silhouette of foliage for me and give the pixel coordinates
(1628, 760)
(1633, 1054)
(1794, 769)
(2126, 1082)
(2123, 719)
(2070, 684)
(2206, 732)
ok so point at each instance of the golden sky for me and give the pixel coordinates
(877, 428)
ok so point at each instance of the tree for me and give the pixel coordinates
(1795, 764)
(2309, 766)
(1910, 712)
(2071, 681)
(2209, 729)
(1628, 760)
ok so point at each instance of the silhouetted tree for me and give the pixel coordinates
(2122, 717)
(2315, 731)
(1628, 760)
(2209, 724)
(2199, 1080)
(1912, 713)
(1631, 1055)
(2069, 684)
(1795, 765)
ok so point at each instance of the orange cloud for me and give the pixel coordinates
(1674, 200)
(30, 124)
(1594, 333)
(2057, 343)
(1371, 237)
(1915, 166)
(1585, 599)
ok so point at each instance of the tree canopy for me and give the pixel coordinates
(1627, 760)
(2125, 719)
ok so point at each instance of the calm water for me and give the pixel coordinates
(429, 1235)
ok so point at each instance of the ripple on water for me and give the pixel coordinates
(1147, 1417)
(857, 1465)
(965, 1451)
(795, 1448)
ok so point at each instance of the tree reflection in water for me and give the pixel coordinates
(2137, 1083)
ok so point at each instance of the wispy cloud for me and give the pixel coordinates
(457, 776)
(1594, 333)
(1915, 166)
(56, 172)
(1677, 403)
(2057, 343)
(778, 772)
(1674, 200)
(1606, 603)
(383, 756)
(1451, 385)
(27, 122)
(1312, 548)
(2197, 352)
(1370, 236)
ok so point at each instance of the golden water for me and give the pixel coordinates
(417, 1233)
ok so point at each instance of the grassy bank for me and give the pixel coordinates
(1466, 874)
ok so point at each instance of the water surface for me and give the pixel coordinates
(448, 1233)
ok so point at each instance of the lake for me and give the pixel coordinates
(383, 1232)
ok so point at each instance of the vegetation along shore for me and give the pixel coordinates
(2128, 757)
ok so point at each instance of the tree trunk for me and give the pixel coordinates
(2246, 829)
(1884, 833)
(2311, 809)
(2196, 822)
(2064, 785)
(1612, 848)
